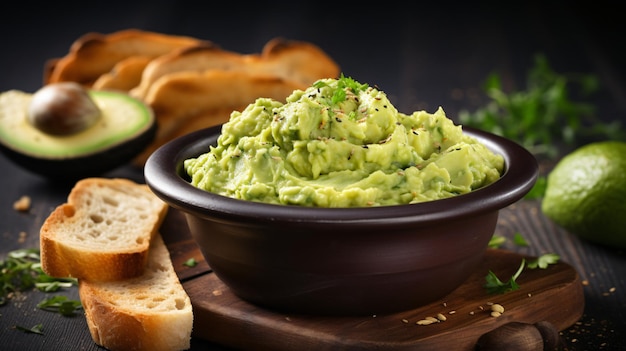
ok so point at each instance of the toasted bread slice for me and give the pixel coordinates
(124, 76)
(103, 232)
(95, 54)
(188, 101)
(300, 61)
(151, 312)
(196, 59)
(297, 61)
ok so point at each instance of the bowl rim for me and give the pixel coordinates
(163, 169)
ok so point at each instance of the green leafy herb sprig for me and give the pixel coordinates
(343, 83)
(494, 285)
(190, 262)
(21, 270)
(60, 304)
(544, 117)
(36, 329)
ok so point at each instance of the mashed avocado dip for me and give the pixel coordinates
(340, 143)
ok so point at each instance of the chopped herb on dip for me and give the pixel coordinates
(340, 143)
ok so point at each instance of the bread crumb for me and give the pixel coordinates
(23, 204)
(21, 238)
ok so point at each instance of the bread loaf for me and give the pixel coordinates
(103, 232)
(151, 312)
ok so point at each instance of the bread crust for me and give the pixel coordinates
(187, 101)
(95, 54)
(292, 60)
(297, 60)
(128, 315)
(184, 76)
(96, 256)
(125, 75)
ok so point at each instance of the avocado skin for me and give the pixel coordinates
(74, 168)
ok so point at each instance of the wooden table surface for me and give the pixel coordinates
(425, 57)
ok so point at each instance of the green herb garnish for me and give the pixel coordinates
(190, 262)
(545, 116)
(21, 270)
(543, 261)
(343, 83)
(519, 240)
(60, 304)
(496, 241)
(36, 329)
(495, 286)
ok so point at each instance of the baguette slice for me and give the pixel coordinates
(103, 232)
(187, 101)
(124, 76)
(298, 61)
(151, 312)
(94, 54)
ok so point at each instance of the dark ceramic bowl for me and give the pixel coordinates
(346, 261)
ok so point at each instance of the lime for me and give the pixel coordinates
(586, 193)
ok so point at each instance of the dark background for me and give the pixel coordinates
(423, 55)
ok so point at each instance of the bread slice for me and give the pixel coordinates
(151, 312)
(187, 101)
(300, 61)
(124, 76)
(95, 54)
(195, 59)
(103, 232)
(297, 61)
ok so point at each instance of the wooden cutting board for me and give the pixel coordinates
(554, 294)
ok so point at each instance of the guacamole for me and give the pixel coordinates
(340, 143)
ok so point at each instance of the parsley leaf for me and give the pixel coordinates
(347, 83)
(496, 241)
(519, 240)
(190, 262)
(21, 270)
(60, 304)
(36, 329)
(18, 272)
(544, 116)
(343, 84)
(495, 286)
(543, 261)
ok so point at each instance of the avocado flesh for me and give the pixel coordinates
(125, 129)
(122, 118)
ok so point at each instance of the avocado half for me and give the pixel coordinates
(125, 129)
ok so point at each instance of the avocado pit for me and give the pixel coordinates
(58, 135)
(63, 109)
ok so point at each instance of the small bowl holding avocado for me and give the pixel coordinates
(64, 131)
(335, 203)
